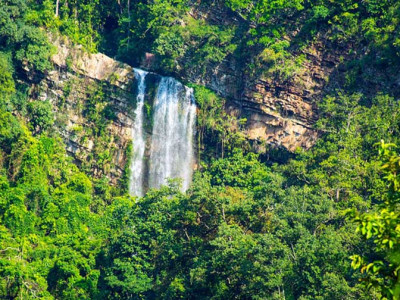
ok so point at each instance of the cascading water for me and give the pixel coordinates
(171, 153)
(138, 139)
(170, 143)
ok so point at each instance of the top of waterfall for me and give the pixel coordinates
(189, 91)
(140, 72)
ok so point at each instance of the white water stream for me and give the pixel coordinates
(170, 143)
(138, 138)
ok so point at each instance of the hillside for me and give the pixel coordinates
(178, 149)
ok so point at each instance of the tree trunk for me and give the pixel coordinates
(57, 4)
(129, 24)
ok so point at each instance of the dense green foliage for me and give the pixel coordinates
(216, 129)
(382, 225)
(266, 37)
(323, 225)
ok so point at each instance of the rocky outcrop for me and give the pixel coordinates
(278, 112)
(93, 97)
(284, 113)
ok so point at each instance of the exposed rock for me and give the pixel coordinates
(279, 112)
(95, 66)
(77, 77)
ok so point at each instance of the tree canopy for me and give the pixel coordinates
(323, 224)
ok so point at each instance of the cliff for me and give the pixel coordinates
(93, 97)
(280, 112)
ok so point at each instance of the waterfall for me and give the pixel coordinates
(171, 152)
(170, 142)
(138, 139)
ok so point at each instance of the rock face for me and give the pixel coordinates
(284, 113)
(278, 112)
(93, 97)
(280, 115)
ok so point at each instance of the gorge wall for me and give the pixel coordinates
(280, 112)
(101, 105)
(94, 98)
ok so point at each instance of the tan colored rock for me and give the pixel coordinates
(68, 86)
(96, 66)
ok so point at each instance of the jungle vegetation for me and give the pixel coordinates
(324, 224)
